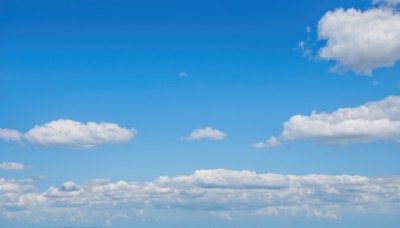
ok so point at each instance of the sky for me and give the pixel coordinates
(199, 113)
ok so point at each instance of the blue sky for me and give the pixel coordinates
(159, 73)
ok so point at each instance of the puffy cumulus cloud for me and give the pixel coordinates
(271, 142)
(69, 133)
(361, 40)
(378, 120)
(220, 192)
(13, 166)
(206, 133)
(10, 135)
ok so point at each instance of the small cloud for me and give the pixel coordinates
(271, 142)
(308, 29)
(304, 48)
(206, 133)
(375, 83)
(14, 166)
(222, 214)
(10, 135)
(183, 74)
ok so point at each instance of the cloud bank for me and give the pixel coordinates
(69, 133)
(218, 191)
(206, 133)
(378, 120)
(361, 41)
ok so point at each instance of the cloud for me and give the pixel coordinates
(183, 74)
(304, 48)
(386, 2)
(206, 133)
(271, 142)
(378, 120)
(219, 192)
(222, 215)
(13, 166)
(360, 41)
(10, 135)
(69, 133)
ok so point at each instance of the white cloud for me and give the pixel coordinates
(221, 192)
(69, 133)
(386, 2)
(378, 120)
(222, 214)
(206, 133)
(360, 40)
(14, 166)
(271, 142)
(304, 48)
(183, 74)
(10, 135)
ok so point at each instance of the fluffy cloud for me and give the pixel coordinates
(13, 166)
(10, 135)
(206, 133)
(379, 120)
(361, 40)
(69, 133)
(271, 142)
(218, 191)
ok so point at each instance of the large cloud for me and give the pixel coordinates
(379, 120)
(69, 133)
(206, 133)
(268, 194)
(361, 40)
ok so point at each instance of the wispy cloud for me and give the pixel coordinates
(206, 133)
(386, 2)
(69, 133)
(13, 166)
(183, 74)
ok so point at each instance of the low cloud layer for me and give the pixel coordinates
(13, 166)
(69, 133)
(206, 133)
(378, 120)
(219, 191)
(361, 41)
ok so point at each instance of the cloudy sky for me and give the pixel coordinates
(200, 113)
